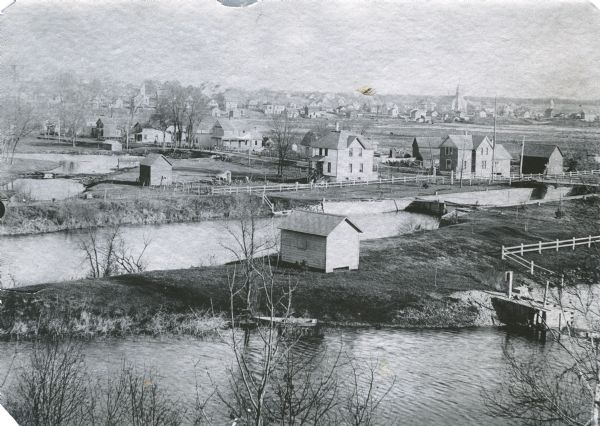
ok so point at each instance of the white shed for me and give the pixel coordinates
(318, 240)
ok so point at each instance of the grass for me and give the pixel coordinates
(79, 214)
(405, 281)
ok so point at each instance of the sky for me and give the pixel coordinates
(504, 48)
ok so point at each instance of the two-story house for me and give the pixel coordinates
(456, 154)
(487, 160)
(468, 155)
(340, 155)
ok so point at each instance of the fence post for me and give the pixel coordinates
(557, 244)
(502, 252)
(589, 240)
(521, 249)
(532, 266)
(451, 177)
(297, 185)
(573, 243)
(280, 187)
(539, 247)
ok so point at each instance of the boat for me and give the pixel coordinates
(292, 325)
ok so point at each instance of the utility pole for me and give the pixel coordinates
(521, 162)
(494, 141)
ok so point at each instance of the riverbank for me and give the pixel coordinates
(406, 281)
(74, 214)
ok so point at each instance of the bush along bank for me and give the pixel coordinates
(80, 214)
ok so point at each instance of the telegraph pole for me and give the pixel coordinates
(521, 162)
(494, 141)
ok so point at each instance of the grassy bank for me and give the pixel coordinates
(78, 214)
(403, 281)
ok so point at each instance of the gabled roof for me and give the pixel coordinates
(152, 159)
(500, 153)
(314, 223)
(540, 150)
(478, 140)
(427, 141)
(226, 125)
(334, 139)
(459, 141)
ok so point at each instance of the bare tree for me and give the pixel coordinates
(196, 107)
(284, 135)
(562, 385)
(16, 122)
(248, 247)
(270, 382)
(72, 102)
(52, 389)
(107, 253)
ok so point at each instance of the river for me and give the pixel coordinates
(54, 257)
(439, 374)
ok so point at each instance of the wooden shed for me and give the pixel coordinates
(155, 170)
(539, 158)
(318, 240)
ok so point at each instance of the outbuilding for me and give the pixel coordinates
(111, 145)
(540, 158)
(321, 241)
(155, 170)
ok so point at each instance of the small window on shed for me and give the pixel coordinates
(301, 243)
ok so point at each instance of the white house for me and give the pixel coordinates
(155, 136)
(318, 240)
(484, 154)
(236, 135)
(340, 155)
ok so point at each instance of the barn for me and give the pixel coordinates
(155, 170)
(427, 150)
(321, 241)
(539, 158)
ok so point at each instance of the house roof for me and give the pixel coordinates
(334, 139)
(500, 153)
(151, 159)
(427, 141)
(478, 140)
(314, 223)
(539, 150)
(460, 141)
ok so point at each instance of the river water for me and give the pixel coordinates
(439, 374)
(57, 256)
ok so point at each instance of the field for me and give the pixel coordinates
(406, 281)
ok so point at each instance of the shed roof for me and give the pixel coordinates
(314, 223)
(151, 159)
(540, 150)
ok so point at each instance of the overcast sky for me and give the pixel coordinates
(504, 48)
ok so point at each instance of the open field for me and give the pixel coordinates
(402, 281)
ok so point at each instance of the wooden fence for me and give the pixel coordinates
(397, 180)
(515, 253)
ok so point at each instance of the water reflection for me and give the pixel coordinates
(439, 374)
(57, 256)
